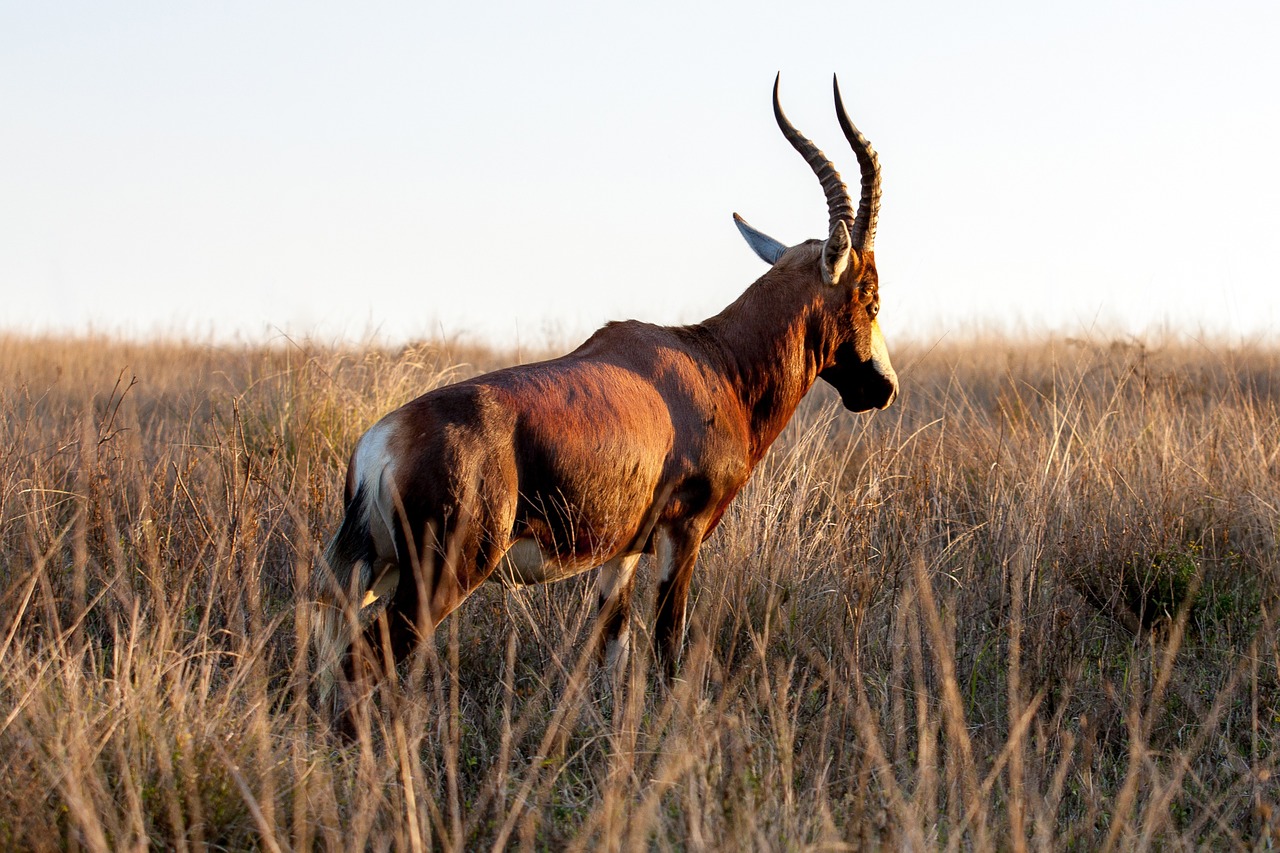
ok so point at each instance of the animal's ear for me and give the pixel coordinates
(836, 253)
(763, 245)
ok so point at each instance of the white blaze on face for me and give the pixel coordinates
(880, 358)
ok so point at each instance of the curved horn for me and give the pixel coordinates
(839, 207)
(864, 227)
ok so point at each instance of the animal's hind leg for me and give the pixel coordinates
(615, 585)
(371, 659)
(408, 620)
(362, 659)
(420, 599)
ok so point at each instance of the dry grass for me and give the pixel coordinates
(1031, 605)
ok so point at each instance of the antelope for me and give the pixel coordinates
(632, 444)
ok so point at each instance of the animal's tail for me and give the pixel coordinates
(341, 580)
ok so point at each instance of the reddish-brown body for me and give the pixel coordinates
(634, 443)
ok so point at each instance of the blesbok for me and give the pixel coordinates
(633, 443)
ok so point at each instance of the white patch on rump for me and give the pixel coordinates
(371, 456)
(376, 473)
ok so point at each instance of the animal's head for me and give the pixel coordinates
(855, 359)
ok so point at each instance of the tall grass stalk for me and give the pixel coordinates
(1031, 606)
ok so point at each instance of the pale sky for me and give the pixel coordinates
(520, 172)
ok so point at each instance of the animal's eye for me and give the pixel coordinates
(871, 296)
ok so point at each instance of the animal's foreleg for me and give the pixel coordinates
(677, 554)
(613, 607)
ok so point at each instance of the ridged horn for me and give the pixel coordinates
(839, 207)
(863, 231)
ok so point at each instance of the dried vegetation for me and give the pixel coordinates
(1030, 605)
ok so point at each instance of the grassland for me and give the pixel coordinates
(1031, 605)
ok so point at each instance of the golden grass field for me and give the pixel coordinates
(1032, 605)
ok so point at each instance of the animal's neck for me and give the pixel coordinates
(773, 350)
